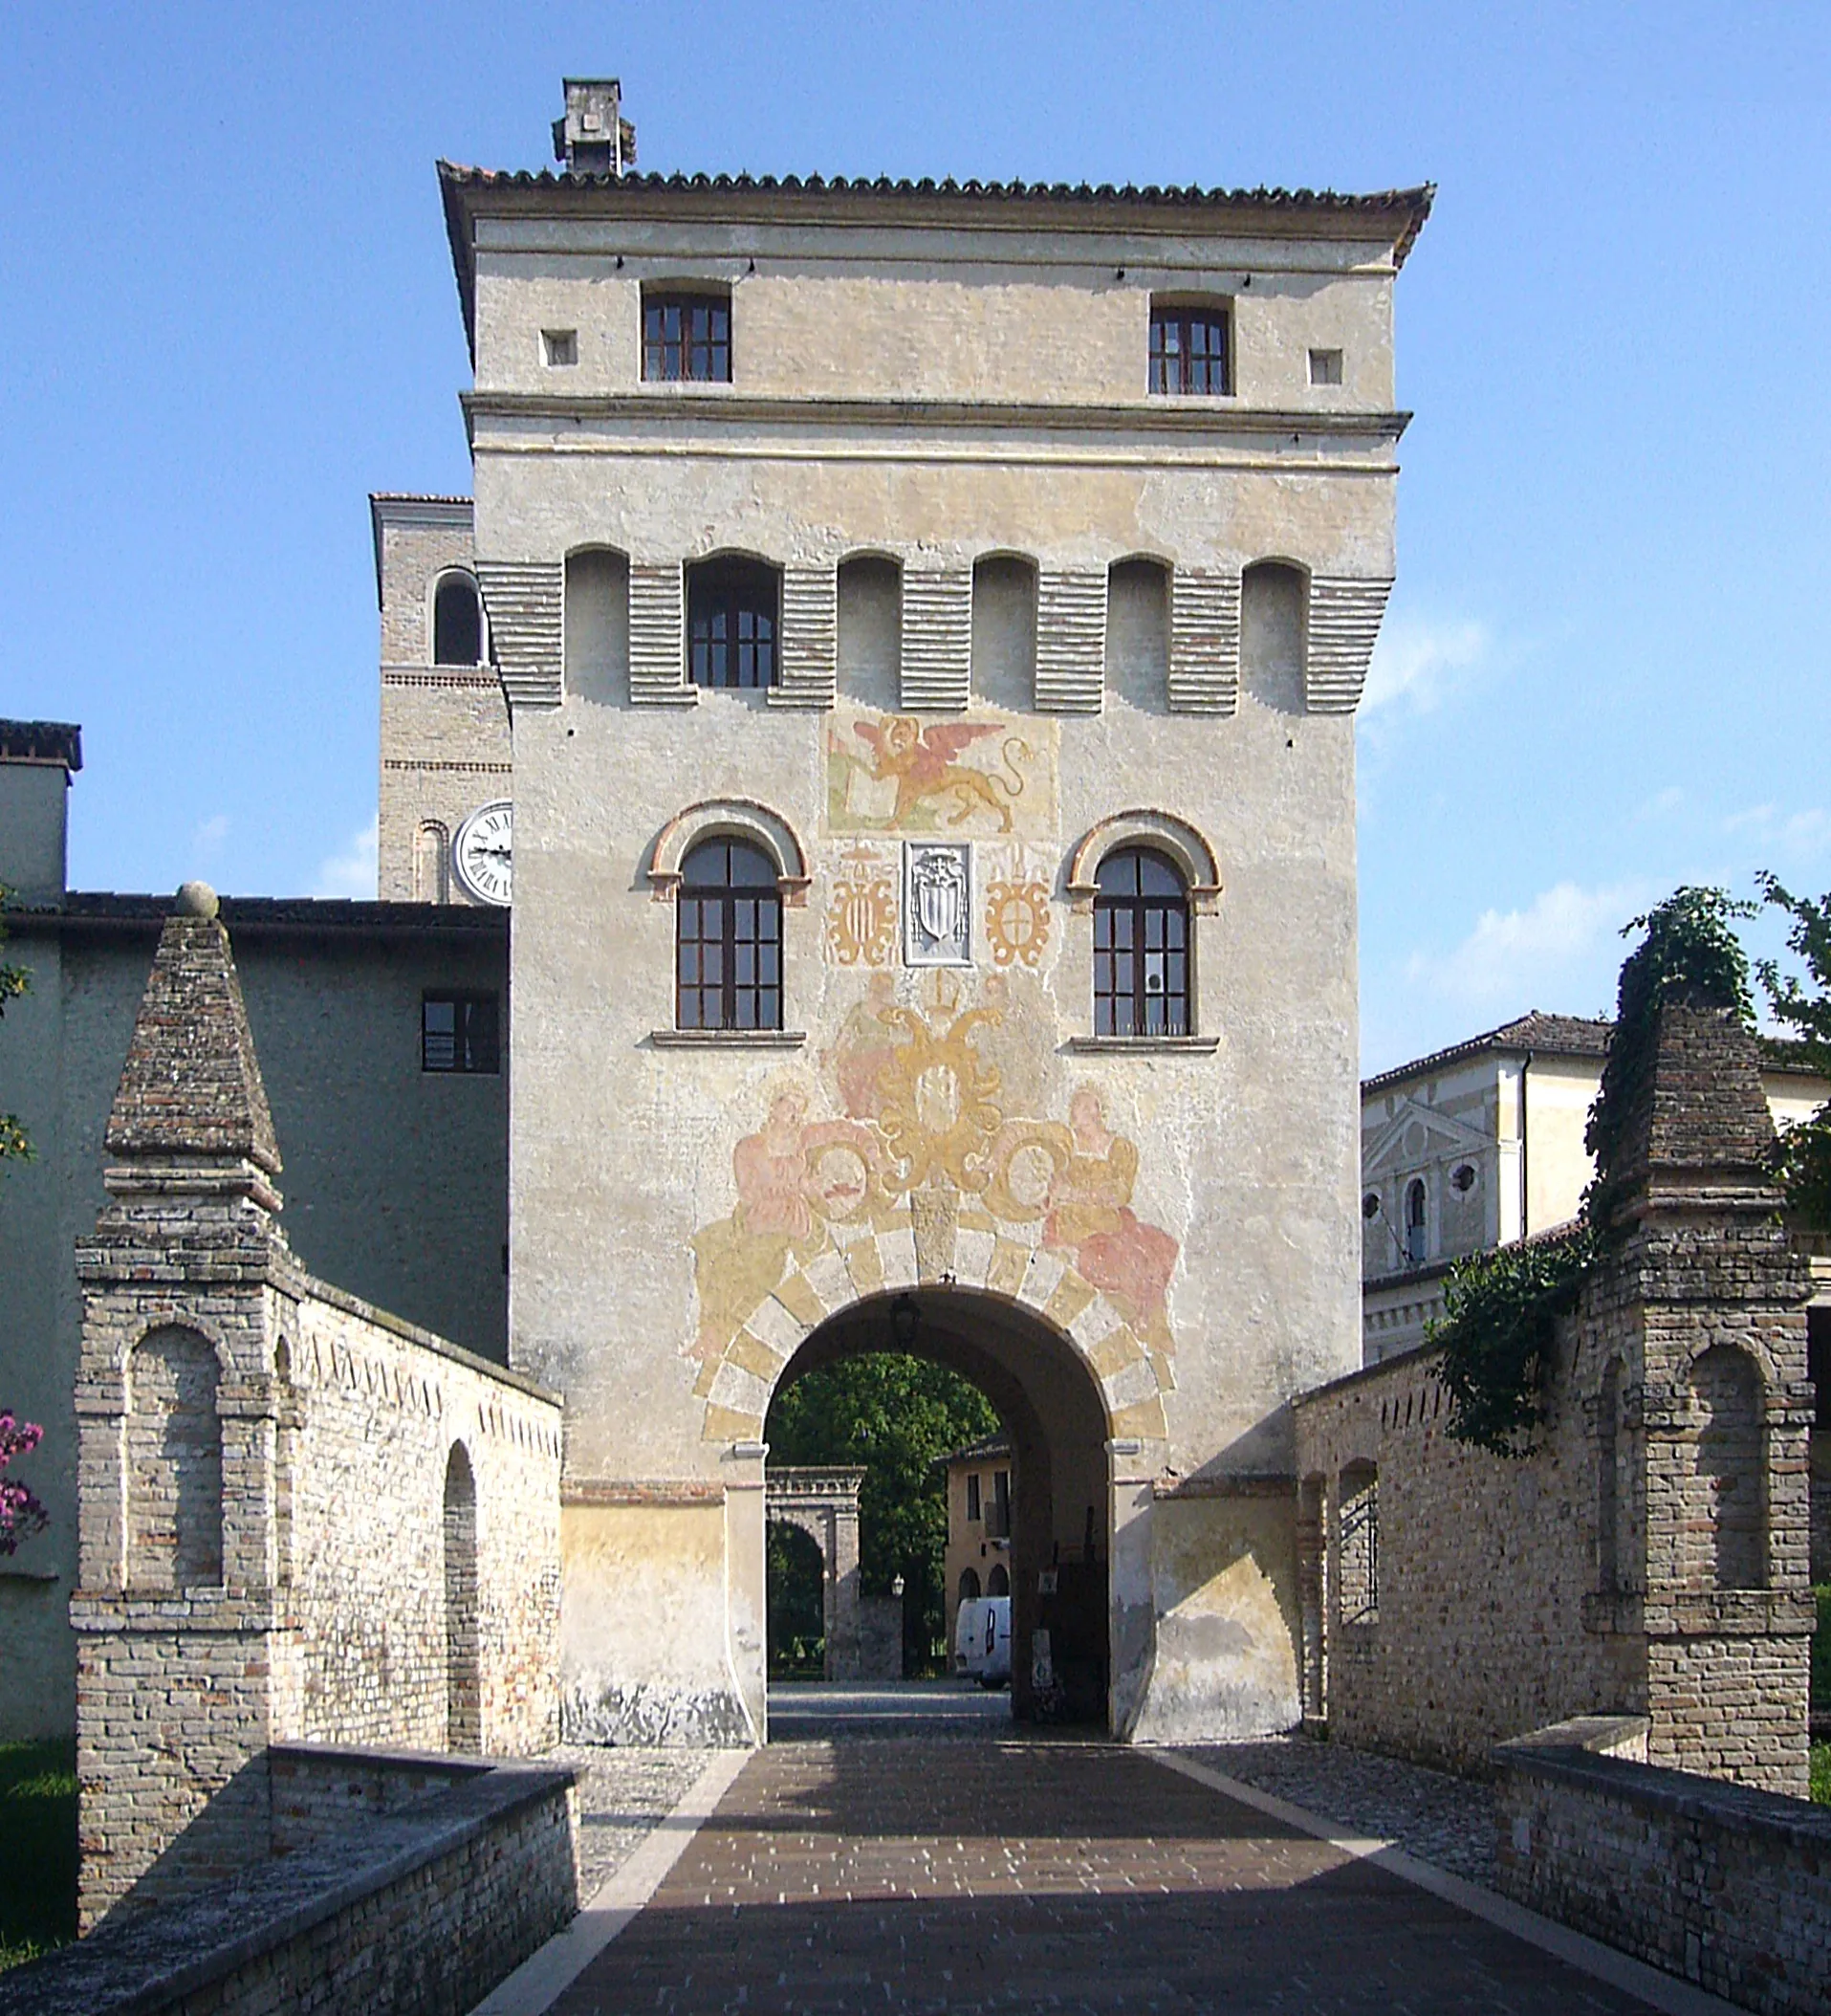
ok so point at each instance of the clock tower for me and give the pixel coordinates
(444, 814)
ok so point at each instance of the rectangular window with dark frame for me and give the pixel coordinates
(732, 623)
(972, 1498)
(1140, 947)
(687, 337)
(727, 940)
(1189, 350)
(460, 1032)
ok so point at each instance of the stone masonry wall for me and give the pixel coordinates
(273, 1477)
(1650, 1554)
(418, 1912)
(1727, 1887)
(1483, 1565)
(379, 1411)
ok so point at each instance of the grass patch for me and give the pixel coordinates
(1821, 1774)
(37, 1849)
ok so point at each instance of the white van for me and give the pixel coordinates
(982, 1640)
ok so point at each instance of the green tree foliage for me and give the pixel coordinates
(1499, 1327)
(894, 1415)
(1803, 1159)
(13, 982)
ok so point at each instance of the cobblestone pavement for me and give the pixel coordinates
(623, 1795)
(1449, 1822)
(1027, 1875)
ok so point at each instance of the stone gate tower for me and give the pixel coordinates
(931, 620)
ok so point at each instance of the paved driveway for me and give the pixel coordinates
(908, 1875)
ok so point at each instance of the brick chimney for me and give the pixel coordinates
(36, 759)
(593, 138)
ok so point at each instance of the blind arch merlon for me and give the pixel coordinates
(525, 612)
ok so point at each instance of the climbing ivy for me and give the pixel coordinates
(1802, 1157)
(1691, 949)
(1498, 1332)
(1499, 1327)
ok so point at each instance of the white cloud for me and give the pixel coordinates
(1660, 804)
(1532, 958)
(210, 833)
(1421, 661)
(353, 871)
(1799, 836)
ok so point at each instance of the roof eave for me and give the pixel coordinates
(466, 191)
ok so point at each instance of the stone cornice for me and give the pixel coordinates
(719, 407)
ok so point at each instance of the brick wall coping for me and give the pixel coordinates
(299, 1281)
(138, 1963)
(1244, 1483)
(84, 912)
(1682, 1795)
(1399, 1362)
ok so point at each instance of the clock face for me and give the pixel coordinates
(482, 853)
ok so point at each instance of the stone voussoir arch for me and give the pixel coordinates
(1145, 827)
(730, 818)
(874, 1263)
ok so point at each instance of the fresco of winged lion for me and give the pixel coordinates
(922, 762)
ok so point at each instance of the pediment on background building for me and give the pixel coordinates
(1418, 1133)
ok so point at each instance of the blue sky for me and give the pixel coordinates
(229, 315)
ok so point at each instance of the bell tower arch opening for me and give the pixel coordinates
(1064, 1618)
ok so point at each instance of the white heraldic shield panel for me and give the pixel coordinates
(937, 903)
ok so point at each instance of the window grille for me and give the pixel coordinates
(686, 336)
(461, 1033)
(1140, 947)
(729, 939)
(1190, 351)
(1359, 1544)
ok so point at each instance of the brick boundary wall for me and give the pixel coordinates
(299, 1518)
(1723, 1885)
(1650, 1555)
(415, 1913)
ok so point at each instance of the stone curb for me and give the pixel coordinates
(1659, 1990)
(545, 1975)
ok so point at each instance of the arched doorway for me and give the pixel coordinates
(1045, 1393)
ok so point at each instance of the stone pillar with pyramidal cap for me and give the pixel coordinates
(185, 1673)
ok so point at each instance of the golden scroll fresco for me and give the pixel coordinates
(987, 775)
(928, 1134)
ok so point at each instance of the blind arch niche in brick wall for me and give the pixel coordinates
(1724, 1526)
(173, 1451)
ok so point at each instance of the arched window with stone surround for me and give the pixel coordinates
(462, 1653)
(1140, 945)
(728, 938)
(1723, 1525)
(174, 1458)
(457, 620)
(1416, 1214)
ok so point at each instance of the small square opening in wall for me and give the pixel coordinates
(559, 346)
(1325, 367)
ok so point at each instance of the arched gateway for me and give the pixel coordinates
(1065, 1513)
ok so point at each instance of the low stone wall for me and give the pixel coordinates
(404, 1912)
(1724, 1885)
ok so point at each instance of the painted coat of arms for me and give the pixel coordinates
(937, 903)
